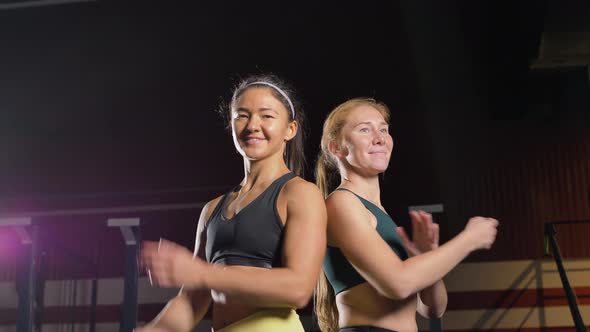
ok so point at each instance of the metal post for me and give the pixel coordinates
(130, 230)
(40, 291)
(550, 231)
(25, 281)
(24, 321)
(435, 324)
(73, 305)
(93, 302)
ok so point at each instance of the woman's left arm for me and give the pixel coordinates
(291, 285)
(432, 300)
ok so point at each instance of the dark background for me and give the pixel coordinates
(101, 97)
(114, 104)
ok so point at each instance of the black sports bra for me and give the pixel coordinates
(252, 237)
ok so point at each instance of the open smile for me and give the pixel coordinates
(253, 140)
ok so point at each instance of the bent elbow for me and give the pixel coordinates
(297, 297)
(300, 299)
(300, 304)
(436, 312)
(433, 313)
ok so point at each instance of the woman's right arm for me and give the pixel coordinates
(185, 310)
(349, 228)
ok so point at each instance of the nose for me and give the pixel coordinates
(378, 138)
(253, 124)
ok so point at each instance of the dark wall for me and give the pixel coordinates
(509, 142)
(107, 104)
(110, 98)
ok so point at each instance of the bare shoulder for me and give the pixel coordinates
(348, 219)
(208, 209)
(213, 203)
(303, 198)
(344, 202)
(201, 236)
(301, 189)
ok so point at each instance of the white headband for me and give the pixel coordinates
(279, 91)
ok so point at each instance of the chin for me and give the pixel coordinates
(374, 171)
(249, 154)
(253, 156)
(380, 168)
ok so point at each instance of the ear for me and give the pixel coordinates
(337, 149)
(292, 129)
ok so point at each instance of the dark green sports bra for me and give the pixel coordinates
(340, 273)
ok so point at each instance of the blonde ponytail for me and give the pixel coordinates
(325, 305)
(322, 178)
(324, 298)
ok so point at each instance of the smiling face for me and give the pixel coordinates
(260, 124)
(366, 144)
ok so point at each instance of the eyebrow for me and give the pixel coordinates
(369, 123)
(262, 109)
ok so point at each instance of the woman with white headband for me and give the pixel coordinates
(249, 261)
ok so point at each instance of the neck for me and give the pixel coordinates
(262, 171)
(365, 185)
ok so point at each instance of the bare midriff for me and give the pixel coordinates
(231, 310)
(363, 305)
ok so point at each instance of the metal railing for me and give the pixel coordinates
(30, 284)
(552, 246)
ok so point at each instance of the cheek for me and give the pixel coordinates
(235, 128)
(276, 129)
(271, 126)
(355, 149)
(239, 124)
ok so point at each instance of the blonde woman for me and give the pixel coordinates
(375, 277)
